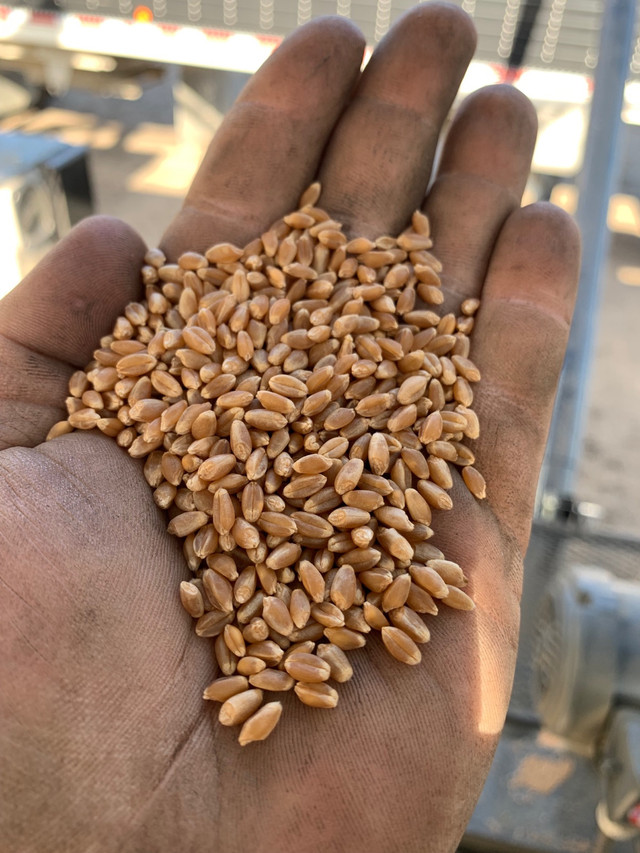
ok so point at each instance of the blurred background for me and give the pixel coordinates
(107, 107)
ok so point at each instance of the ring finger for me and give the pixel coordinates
(480, 181)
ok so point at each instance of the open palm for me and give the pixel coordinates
(106, 744)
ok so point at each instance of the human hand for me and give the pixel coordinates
(106, 743)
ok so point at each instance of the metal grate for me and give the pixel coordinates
(547, 645)
(563, 34)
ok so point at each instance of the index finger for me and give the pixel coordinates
(268, 147)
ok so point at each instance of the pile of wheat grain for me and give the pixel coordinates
(299, 414)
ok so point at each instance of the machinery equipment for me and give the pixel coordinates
(44, 190)
(587, 673)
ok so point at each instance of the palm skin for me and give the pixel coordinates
(106, 744)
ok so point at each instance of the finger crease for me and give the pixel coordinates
(511, 198)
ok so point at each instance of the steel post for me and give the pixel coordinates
(595, 185)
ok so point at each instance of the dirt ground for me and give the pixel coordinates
(142, 160)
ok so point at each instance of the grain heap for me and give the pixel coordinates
(298, 416)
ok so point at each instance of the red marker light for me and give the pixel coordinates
(633, 815)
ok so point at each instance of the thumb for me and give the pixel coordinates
(52, 321)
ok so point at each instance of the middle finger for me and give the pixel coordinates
(377, 165)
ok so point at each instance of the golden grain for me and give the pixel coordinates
(266, 650)
(304, 486)
(257, 630)
(186, 523)
(64, 427)
(347, 518)
(420, 601)
(285, 554)
(84, 419)
(434, 495)
(327, 614)
(276, 614)
(374, 616)
(400, 646)
(475, 482)
(341, 669)
(239, 707)
(316, 695)
(213, 623)
(191, 599)
(298, 413)
(429, 580)
(396, 594)
(227, 661)
(245, 534)
(260, 725)
(312, 580)
(218, 589)
(300, 608)
(272, 679)
(234, 640)
(411, 623)
(224, 688)
(307, 667)
(396, 544)
(450, 572)
(458, 599)
(348, 476)
(249, 665)
(345, 638)
(223, 512)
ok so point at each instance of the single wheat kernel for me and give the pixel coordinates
(239, 707)
(345, 638)
(250, 665)
(341, 669)
(272, 679)
(401, 646)
(276, 614)
(458, 599)
(475, 482)
(450, 572)
(395, 595)
(267, 650)
(429, 580)
(227, 661)
(374, 616)
(224, 688)
(212, 623)
(343, 587)
(411, 623)
(327, 614)
(307, 667)
(421, 601)
(234, 640)
(191, 599)
(300, 608)
(316, 695)
(260, 725)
